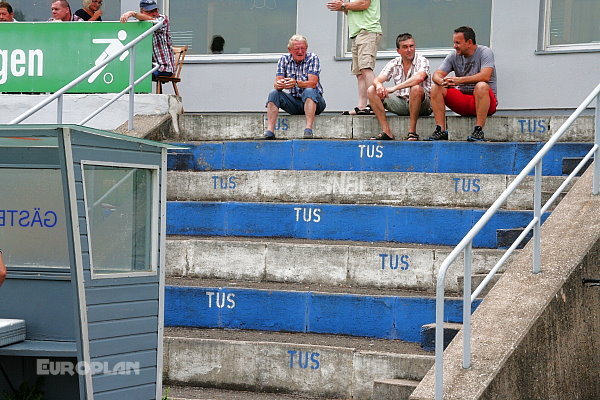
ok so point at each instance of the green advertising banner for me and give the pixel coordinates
(45, 56)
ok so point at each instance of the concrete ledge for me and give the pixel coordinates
(79, 106)
(244, 126)
(321, 371)
(536, 336)
(351, 264)
(351, 187)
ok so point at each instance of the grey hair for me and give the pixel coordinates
(297, 38)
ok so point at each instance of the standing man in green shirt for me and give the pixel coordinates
(365, 31)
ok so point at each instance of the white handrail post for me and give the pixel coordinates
(59, 109)
(439, 336)
(596, 184)
(132, 90)
(468, 255)
(537, 213)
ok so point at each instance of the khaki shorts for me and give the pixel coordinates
(364, 51)
(399, 105)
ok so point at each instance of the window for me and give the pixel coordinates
(121, 204)
(432, 22)
(35, 11)
(234, 26)
(33, 230)
(572, 24)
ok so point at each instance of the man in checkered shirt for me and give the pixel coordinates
(410, 93)
(162, 45)
(297, 89)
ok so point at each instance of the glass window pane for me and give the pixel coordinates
(33, 232)
(119, 209)
(574, 21)
(36, 10)
(441, 16)
(241, 23)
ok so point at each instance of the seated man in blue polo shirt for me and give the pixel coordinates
(297, 87)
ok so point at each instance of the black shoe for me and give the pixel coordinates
(439, 134)
(268, 135)
(477, 135)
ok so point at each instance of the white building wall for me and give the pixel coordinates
(525, 80)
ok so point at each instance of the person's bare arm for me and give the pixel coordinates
(311, 82)
(356, 5)
(482, 76)
(135, 14)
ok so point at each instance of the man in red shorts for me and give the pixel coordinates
(472, 91)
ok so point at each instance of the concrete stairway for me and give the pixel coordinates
(322, 255)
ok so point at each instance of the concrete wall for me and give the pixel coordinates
(537, 336)
(525, 80)
(79, 106)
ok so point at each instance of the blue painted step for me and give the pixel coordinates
(365, 155)
(389, 317)
(438, 226)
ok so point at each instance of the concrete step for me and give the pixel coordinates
(393, 389)
(506, 128)
(281, 308)
(180, 392)
(312, 365)
(351, 187)
(397, 156)
(439, 226)
(325, 263)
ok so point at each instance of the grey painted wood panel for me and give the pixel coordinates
(30, 156)
(132, 326)
(142, 392)
(48, 314)
(114, 156)
(107, 312)
(82, 139)
(122, 345)
(104, 383)
(121, 293)
(144, 358)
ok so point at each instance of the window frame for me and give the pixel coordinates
(544, 46)
(154, 220)
(231, 58)
(343, 41)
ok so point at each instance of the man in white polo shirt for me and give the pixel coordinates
(410, 93)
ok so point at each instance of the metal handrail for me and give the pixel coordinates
(58, 95)
(466, 243)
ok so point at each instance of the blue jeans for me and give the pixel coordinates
(293, 105)
(164, 73)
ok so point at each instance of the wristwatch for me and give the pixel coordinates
(343, 7)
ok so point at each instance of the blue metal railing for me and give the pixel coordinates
(466, 243)
(58, 95)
